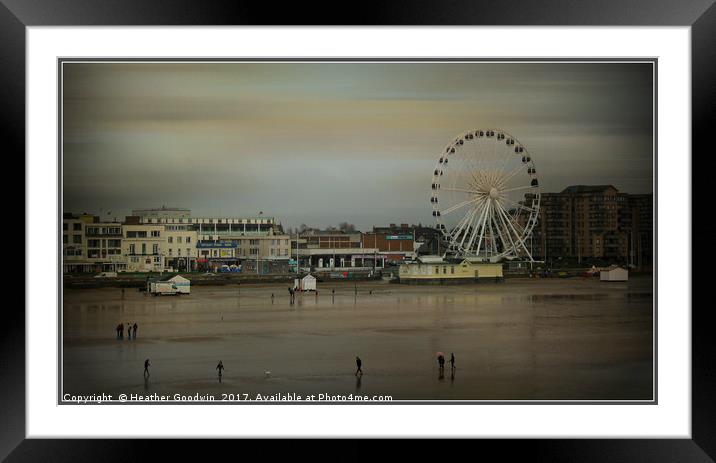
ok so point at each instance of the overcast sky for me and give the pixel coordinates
(323, 143)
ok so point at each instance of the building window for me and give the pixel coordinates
(77, 226)
(64, 225)
(188, 239)
(144, 248)
(155, 233)
(64, 239)
(155, 249)
(77, 239)
(132, 249)
(170, 239)
(178, 239)
(179, 252)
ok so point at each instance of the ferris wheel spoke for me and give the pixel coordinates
(528, 187)
(455, 232)
(478, 225)
(458, 206)
(494, 231)
(522, 206)
(507, 231)
(509, 221)
(463, 190)
(508, 157)
(493, 240)
(519, 237)
(482, 230)
(503, 181)
(467, 228)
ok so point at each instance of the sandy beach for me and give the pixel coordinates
(524, 339)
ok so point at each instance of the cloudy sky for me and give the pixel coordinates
(323, 143)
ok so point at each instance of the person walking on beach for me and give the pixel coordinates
(220, 367)
(146, 368)
(134, 328)
(120, 327)
(129, 332)
(441, 362)
(452, 361)
(359, 364)
(117, 328)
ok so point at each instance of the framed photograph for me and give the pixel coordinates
(477, 231)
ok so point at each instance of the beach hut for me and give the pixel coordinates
(614, 273)
(183, 285)
(307, 283)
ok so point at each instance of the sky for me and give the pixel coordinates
(325, 143)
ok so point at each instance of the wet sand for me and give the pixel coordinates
(543, 339)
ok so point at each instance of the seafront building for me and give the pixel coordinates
(142, 246)
(89, 245)
(335, 251)
(594, 222)
(394, 244)
(170, 239)
(581, 223)
(437, 270)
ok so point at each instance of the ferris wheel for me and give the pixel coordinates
(485, 196)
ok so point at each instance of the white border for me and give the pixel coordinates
(670, 418)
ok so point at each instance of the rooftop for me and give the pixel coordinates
(575, 189)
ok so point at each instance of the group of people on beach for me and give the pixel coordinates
(359, 364)
(441, 363)
(131, 331)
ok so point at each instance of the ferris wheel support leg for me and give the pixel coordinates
(480, 220)
(522, 243)
(504, 221)
(482, 230)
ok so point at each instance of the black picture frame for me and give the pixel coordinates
(700, 15)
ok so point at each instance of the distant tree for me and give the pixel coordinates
(303, 228)
(346, 227)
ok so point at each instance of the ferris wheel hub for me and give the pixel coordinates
(494, 194)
